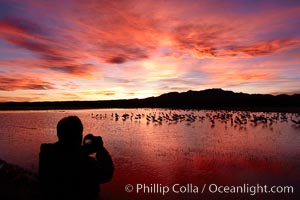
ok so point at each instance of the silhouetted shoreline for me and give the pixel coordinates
(18, 183)
(211, 99)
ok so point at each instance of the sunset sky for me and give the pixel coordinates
(63, 50)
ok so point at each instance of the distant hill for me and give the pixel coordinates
(205, 99)
(220, 99)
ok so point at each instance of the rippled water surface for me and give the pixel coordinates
(158, 146)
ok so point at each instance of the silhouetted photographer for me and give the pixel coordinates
(66, 169)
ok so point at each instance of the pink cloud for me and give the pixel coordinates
(115, 33)
(24, 83)
(16, 27)
(214, 41)
(136, 45)
(50, 53)
(267, 47)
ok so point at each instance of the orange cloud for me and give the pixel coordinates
(121, 47)
(219, 41)
(50, 54)
(267, 47)
(24, 83)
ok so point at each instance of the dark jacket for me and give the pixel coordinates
(67, 173)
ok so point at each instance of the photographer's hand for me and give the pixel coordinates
(92, 144)
(98, 142)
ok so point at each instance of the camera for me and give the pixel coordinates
(91, 144)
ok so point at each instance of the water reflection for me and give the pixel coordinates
(170, 146)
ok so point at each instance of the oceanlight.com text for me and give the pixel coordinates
(250, 189)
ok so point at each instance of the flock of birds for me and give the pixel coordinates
(234, 118)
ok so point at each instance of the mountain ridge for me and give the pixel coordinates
(218, 98)
(215, 98)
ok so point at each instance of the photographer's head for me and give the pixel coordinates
(69, 131)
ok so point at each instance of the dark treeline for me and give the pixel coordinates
(205, 99)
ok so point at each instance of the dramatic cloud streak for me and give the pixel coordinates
(86, 50)
(23, 83)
